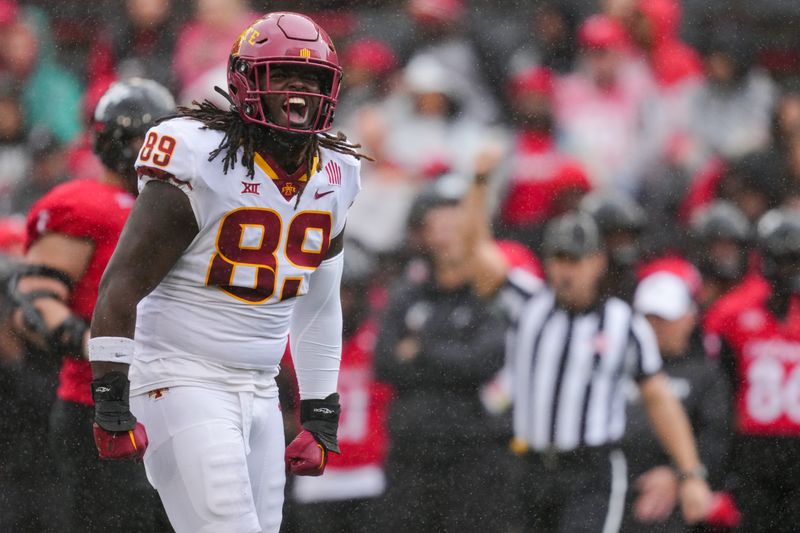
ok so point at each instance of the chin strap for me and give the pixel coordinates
(227, 97)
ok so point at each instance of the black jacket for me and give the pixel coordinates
(461, 347)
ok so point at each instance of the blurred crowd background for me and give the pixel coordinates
(669, 112)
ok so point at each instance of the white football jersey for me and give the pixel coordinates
(230, 296)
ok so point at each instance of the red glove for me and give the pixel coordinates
(121, 444)
(305, 456)
(723, 512)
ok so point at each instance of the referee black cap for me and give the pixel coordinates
(573, 235)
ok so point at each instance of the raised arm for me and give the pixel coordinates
(488, 265)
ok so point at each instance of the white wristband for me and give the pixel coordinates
(111, 349)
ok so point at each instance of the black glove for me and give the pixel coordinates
(117, 434)
(112, 411)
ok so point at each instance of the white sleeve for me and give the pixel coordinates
(315, 332)
(167, 155)
(648, 357)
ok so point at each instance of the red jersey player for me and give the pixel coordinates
(756, 326)
(71, 234)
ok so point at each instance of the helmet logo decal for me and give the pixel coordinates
(250, 35)
(305, 53)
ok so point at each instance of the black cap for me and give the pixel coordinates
(614, 213)
(575, 235)
(721, 220)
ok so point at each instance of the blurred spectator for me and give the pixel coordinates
(622, 223)
(719, 246)
(369, 64)
(441, 35)
(142, 47)
(203, 46)
(14, 157)
(541, 180)
(599, 107)
(786, 122)
(345, 497)
(755, 184)
(377, 219)
(438, 344)
(49, 168)
(550, 42)
(755, 330)
(50, 95)
(731, 112)
(666, 302)
(428, 131)
(82, 162)
(654, 29)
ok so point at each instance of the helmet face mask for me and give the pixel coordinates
(285, 42)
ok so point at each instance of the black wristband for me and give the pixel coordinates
(111, 407)
(321, 419)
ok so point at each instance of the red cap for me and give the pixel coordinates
(536, 80)
(436, 11)
(9, 11)
(372, 55)
(602, 32)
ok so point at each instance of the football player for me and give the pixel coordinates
(233, 247)
(71, 234)
(755, 331)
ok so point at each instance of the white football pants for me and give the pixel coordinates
(215, 458)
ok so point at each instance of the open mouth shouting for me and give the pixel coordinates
(297, 111)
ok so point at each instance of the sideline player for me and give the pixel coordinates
(756, 330)
(235, 244)
(71, 234)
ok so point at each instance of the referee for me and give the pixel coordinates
(570, 353)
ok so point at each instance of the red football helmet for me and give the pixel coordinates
(282, 38)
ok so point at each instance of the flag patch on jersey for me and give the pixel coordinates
(334, 173)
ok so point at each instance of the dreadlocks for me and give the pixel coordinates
(241, 134)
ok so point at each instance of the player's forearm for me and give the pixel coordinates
(316, 332)
(115, 311)
(670, 423)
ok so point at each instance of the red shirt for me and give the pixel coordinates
(94, 211)
(540, 175)
(363, 436)
(766, 352)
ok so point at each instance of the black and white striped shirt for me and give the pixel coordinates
(568, 370)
